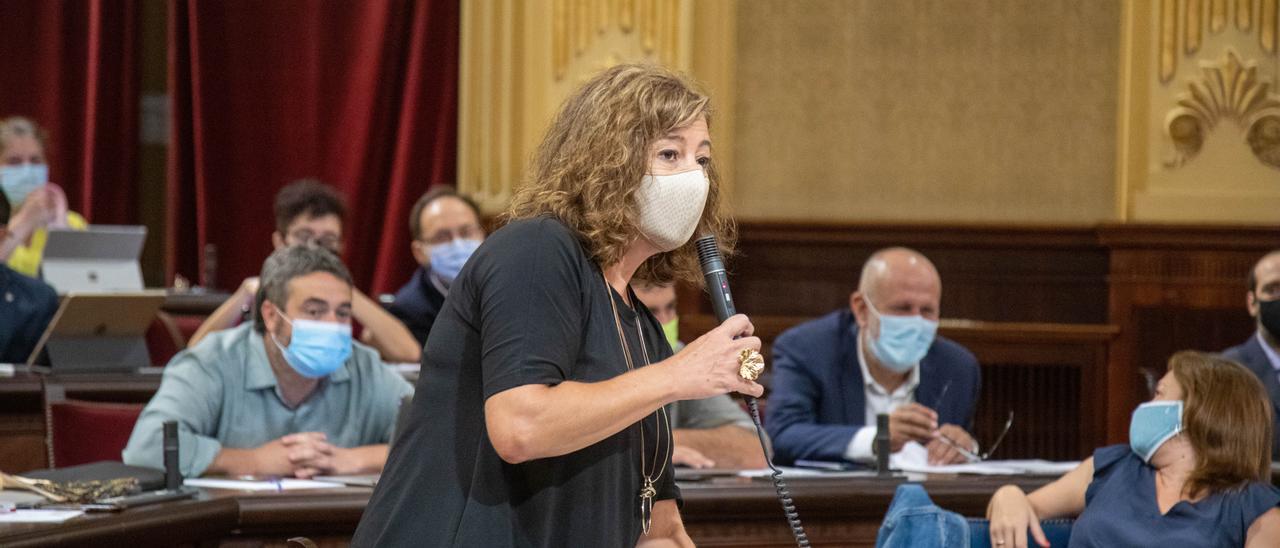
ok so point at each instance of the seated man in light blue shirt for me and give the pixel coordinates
(290, 395)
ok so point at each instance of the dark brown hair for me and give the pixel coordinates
(593, 157)
(440, 191)
(1227, 418)
(308, 197)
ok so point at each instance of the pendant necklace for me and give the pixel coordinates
(648, 488)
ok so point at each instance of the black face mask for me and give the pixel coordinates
(1269, 316)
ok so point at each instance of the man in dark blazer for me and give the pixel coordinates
(446, 229)
(832, 375)
(1261, 353)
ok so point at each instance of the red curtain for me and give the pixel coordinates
(72, 67)
(359, 94)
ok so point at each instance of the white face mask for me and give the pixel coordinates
(670, 207)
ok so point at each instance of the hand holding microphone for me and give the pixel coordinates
(750, 365)
(750, 362)
(712, 362)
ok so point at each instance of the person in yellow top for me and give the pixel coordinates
(24, 178)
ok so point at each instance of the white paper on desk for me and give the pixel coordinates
(913, 457)
(38, 516)
(286, 484)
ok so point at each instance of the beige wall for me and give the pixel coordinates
(912, 110)
(974, 111)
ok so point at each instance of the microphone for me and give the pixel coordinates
(172, 474)
(882, 446)
(716, 277)
(722, 302)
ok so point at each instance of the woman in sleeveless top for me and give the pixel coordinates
(1196, 471)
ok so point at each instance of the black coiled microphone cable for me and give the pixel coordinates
(722, 303)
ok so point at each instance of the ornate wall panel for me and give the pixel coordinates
(520, 59)
(934, 111)
(1200, 112)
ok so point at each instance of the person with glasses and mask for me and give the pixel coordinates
(288, 395)
(1261, 353)
(833, 375)
(310, 212)
(37, 204)
(446, 230)
(1196, 472)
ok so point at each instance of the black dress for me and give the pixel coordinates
(530, 307)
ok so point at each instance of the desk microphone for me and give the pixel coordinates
(882, 445)
(172, 474)
(722, 302)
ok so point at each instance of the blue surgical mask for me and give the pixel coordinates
(316, 348)
(903, 340)
(447, 259)
(21, 180)
(1154, 423)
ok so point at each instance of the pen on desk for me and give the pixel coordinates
(968, 455)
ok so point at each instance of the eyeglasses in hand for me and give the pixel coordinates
(974, 457)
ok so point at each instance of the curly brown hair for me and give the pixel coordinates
(1227, 417)
(593, 157)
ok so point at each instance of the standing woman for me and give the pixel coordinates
(38, 204)
(538, 418)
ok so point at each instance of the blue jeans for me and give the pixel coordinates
(914, 521)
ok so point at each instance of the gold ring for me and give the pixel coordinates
(750, 364)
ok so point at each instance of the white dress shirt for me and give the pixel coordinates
(878, 400)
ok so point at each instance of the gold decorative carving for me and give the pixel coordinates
(1195, 28)
(1267, 23)
(1168, 39)
(1217, 15)
(1264, 140)
(577, 24)
(1244, 14)
(1227, 90)
(1189, 17)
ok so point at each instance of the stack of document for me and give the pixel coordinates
(283, 484)
(37, 516)
(915, 458)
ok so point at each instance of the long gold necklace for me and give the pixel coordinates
(649, 488)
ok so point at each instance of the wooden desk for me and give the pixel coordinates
(725, 512)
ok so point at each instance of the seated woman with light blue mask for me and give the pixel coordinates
(1196, 471)
(38, 204)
